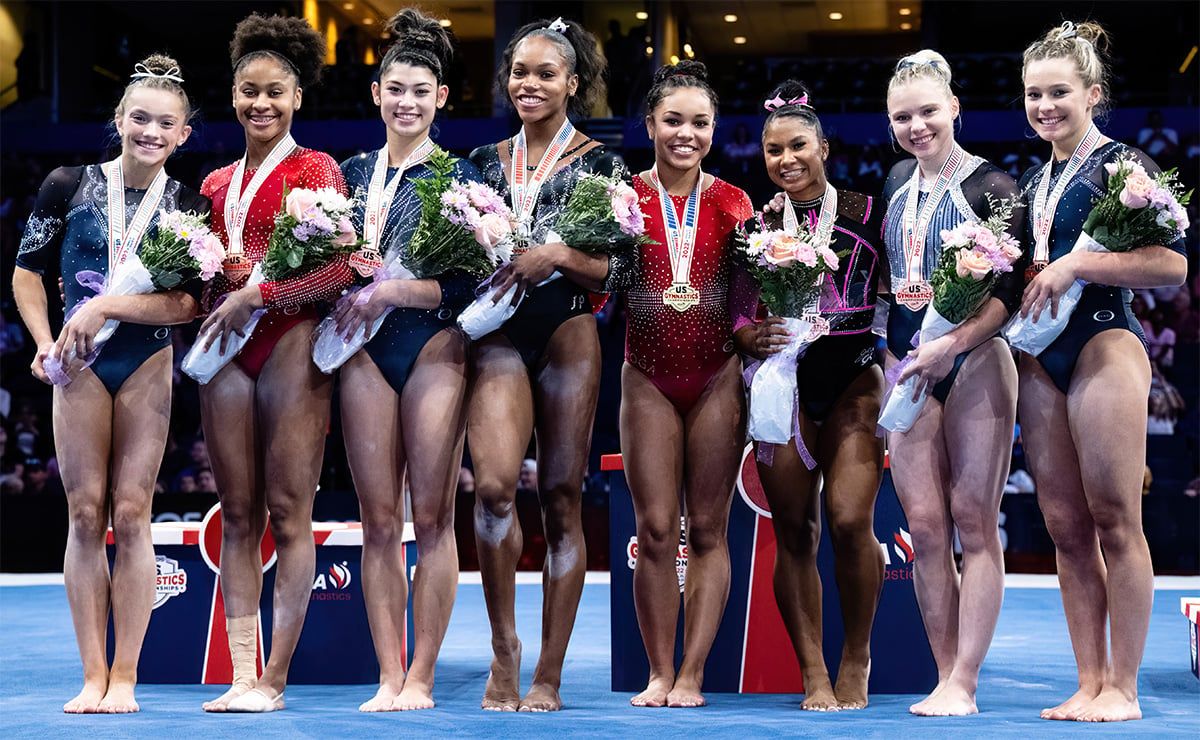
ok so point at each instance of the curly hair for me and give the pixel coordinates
(581, 53)
(687, 73)
(788, 91)
(151, 73)
(288, 40)
(420, 41)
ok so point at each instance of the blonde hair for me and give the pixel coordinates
(158, 72)
(1084, 43)
(926, 64)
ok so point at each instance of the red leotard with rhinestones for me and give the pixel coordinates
(289, 302)
(681, 352)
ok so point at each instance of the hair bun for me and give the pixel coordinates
(684, 68)
(416, 32)
(926, 58)
(789, 92)
(160, 64)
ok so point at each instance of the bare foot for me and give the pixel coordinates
(382, 701)
(258, 700)
(119, 699)
(88, 700)
(1112, 705)
(820, 698)
(655, 694)
(503, 690)
(1070, 709)
(851, 686)
(221, 703)
(919, 707)
(951, 701)
(685, 694)
(542, 697)
(415, 695)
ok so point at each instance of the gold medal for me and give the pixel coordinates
(1034, 269)
(236, 268)
(915, 295)
(818, 326)
(366, 261)
(681, 296)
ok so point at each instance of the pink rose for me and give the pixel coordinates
(781, 251)
(492, 229)
(806, 255)
(1136, 193)
(985, 239)
(970, 263)
(299, 202)
(345, 236)
(1010, 249)
(830, 257)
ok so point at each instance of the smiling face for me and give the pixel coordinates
(408, 97)
(922, 117)
(539, 81)
(795, 157)
(681, 127)
(265, 97)
(153, 123)
(1057, 102)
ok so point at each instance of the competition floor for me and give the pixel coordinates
(1029, 667)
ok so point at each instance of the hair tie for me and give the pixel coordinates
(777, 102)
(141, 71)
(1067, 31)
(558, 25)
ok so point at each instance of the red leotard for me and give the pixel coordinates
(681, 352)
(290, 301)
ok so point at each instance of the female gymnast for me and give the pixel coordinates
(109, 464)
(682, 409)
(1083, 399)
(265, 414)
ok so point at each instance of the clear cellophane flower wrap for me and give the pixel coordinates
(180, 248)
(973, 256)
(1135, 210)
(312, 230)
(602, 216)
(331, 349)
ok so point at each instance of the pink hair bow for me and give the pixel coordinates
(777, 102)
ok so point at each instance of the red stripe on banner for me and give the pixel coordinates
(769, 664)
(611, 462)
(191, 537)
(319, 536)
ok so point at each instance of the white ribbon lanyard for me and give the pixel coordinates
(681, 242)
(380, 194)
(238, 207)
(915, 225)
(1046, 202)
(123, 239)
(525, 187)
(823, 236)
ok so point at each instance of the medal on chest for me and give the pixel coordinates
(818, 324)
(525, 185)
(380, 194)
(915, 292)
(123, 239)
(681, 242)
(237, 206)
(1045, 200)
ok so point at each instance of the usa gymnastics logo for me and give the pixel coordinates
(681, 554)
(332, 585)
(169, 580)
(898, 556)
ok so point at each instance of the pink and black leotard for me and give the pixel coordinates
(681, 352)
(289, 302)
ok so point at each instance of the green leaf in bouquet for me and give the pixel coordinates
(165, 279)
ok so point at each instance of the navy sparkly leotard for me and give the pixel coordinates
(395, 348)
(71, 217)
(1101, 307)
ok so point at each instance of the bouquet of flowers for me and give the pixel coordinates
(1135, 210)
(463, 226)
(181, 248)
(973, 256)
(602, 216)
(311, 230)
(790, 270)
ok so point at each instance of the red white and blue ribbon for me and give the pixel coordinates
(1045, 201)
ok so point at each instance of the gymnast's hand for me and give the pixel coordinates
(230, 316)
(930, 362)
(762, 340)
(527, 270)
(79, 333)
(1047, 287)
(359, 309)
(776, 204)
(43, 351)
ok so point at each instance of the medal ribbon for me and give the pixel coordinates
(681, 238)
(238, 207)
(379, 196)
(916, 225)
(123, 239)
(525, 192)
(824, 233)
(1046, 202)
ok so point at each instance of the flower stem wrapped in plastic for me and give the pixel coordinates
(180, 249)
(973, 256)
(601, 217)
(312, 230)
(1135, 210)
(790, 270)
(463, 226)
